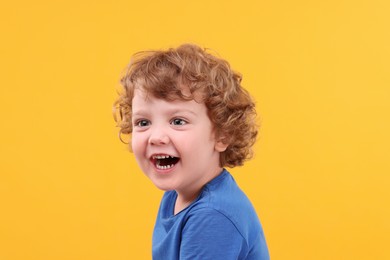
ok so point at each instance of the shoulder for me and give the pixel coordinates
(224, 196)
(223, 217)
(224, 202)
(214, 220)
(209, 234)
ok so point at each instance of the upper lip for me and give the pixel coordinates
(161, 156)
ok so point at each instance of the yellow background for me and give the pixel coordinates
(319, 71)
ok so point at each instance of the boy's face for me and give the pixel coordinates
(174, 143)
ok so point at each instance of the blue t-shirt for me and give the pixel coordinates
(220, 224)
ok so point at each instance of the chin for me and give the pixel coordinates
(163, 186)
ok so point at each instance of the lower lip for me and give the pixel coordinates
(164, 171)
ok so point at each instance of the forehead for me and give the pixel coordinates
(144, 102)
(173, 90)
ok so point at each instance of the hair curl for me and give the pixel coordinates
(163, 75)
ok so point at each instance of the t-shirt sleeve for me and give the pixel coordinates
(209, 234)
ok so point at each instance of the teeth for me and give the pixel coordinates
(162, 157)
(164, 167)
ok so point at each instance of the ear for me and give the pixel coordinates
(220, 146)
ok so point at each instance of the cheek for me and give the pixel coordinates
(195, 143)
(136, 144)
(183, 140)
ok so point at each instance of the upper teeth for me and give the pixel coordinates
(162, 156)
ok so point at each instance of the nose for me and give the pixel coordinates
(158, 137)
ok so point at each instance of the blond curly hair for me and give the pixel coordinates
(163, 74)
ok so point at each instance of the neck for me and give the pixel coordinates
(186, 197)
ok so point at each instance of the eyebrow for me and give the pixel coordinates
(178, 111)
(170, 112)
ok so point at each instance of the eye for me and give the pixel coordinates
(142, 123)
(178, 121)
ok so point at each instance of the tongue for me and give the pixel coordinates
(167, 161)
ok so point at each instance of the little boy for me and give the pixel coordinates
(189, 117)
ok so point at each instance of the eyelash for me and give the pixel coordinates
(145, 122)
(183, 122)
(139, 122)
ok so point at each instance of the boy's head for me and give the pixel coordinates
(190, 73)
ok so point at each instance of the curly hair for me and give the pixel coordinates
(163, 74)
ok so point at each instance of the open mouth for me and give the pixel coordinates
(164, 162)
